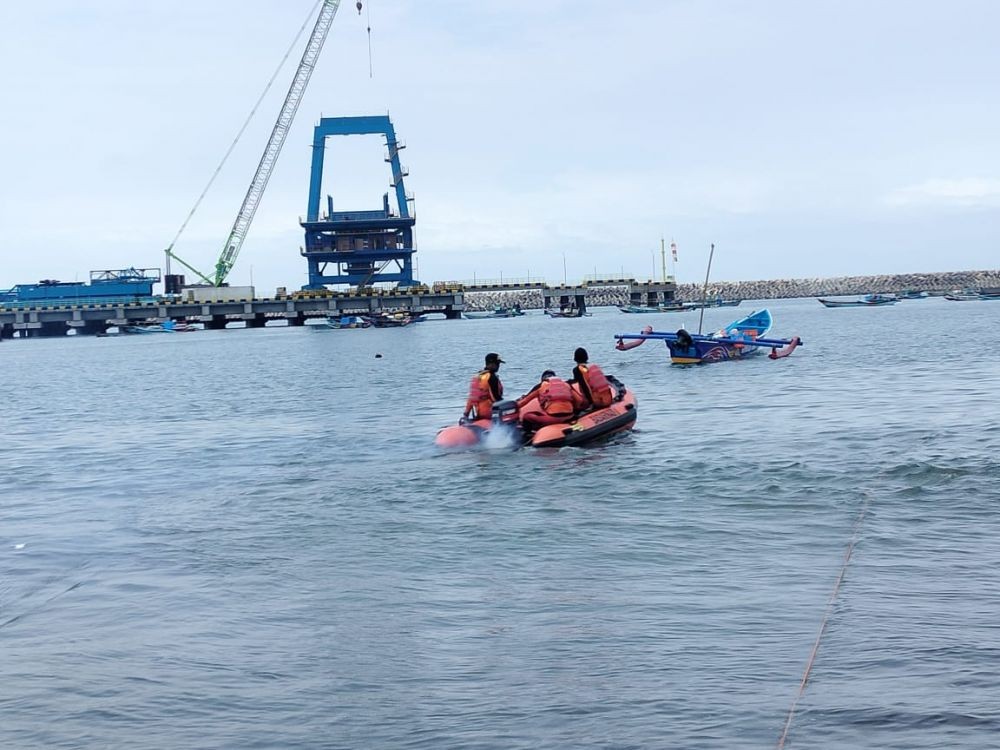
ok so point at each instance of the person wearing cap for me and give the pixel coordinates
(592, 382)
(484, 390)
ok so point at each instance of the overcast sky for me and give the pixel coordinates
(805, 138)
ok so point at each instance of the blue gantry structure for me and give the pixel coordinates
(358, 248)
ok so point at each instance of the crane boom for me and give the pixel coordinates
(281, 127)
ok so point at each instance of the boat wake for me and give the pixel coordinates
(502, 438)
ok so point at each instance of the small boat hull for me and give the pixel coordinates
(872, 300)
(591, 426)
(345, 321)
(167, 326)
(638, 309)
(704, 352)
(500, 312)
(584, 429)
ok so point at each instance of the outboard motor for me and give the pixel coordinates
(505, 412)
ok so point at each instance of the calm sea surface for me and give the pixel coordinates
(246, 539)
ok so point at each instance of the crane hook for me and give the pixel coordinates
(358, 5)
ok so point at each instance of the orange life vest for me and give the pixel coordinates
(480, 395)
(601, 394)
(556, 398)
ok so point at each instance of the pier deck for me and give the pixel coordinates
(56, 320)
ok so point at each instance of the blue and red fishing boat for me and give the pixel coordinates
(740, 339)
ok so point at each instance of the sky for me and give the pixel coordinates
(550, 138)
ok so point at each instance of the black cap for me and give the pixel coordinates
(547, 374)
(493, 357)
(580, 355)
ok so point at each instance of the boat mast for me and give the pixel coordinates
(704, 290)
(663, 259)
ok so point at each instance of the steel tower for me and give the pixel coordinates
(358, 248)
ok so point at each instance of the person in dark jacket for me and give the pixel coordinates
(591, 381)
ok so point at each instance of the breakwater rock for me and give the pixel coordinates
(940, 283)
(934, 283)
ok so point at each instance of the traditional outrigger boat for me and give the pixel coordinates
(638, 309)
(344, 321)
(968, 295)
(663, 307)
(506, 424)
(717, 302)
(567, 312)
(741, 338)
(497, 312)
(167, 326)
(680, 306)
(393, 319)
(869, 300)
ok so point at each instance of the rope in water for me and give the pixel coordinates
(826, 616)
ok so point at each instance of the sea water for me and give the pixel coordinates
(246, 539)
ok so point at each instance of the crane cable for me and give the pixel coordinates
(239, 135)
(368, 10)
(826, 616)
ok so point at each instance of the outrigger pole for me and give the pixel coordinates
(668, 336)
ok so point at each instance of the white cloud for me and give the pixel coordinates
(963, 192)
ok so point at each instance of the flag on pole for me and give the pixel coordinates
(673, 250)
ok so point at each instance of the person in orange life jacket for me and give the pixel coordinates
(523, 401)
(554, 395)
(592, 382)
(555, 402)
(484, 390)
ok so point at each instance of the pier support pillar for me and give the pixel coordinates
(216, 323)
(295, 319)
(256, 321)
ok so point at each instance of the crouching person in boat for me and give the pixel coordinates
(549, 402)
(594, 387)
(484, 390)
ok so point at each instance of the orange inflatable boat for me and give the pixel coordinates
(508, 428)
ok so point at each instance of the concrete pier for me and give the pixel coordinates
(565, 297)
(56, 320)
(651, 293)
(451, 299)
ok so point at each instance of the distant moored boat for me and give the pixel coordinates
(869, 300)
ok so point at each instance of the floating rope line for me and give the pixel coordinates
(826, 616)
